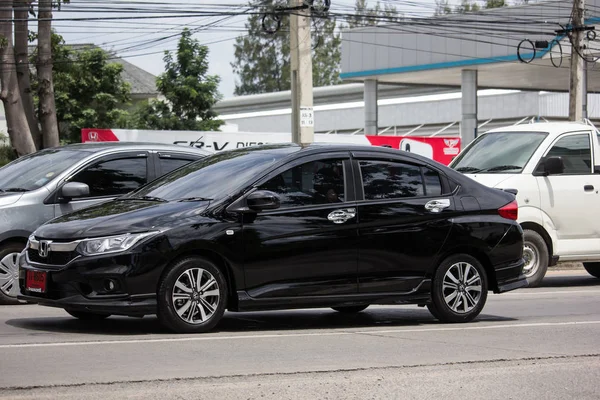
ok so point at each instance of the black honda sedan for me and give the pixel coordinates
(279, 227)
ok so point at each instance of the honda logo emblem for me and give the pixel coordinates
(44, 248)
(93, 136)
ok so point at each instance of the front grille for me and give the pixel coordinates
(54, 257)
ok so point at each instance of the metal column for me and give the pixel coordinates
(370, 96)
(468, 126)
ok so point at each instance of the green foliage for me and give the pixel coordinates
(190, 93)
(465, 6)
(262, 60)
(7, 154)
(89, 90)
(368, 16)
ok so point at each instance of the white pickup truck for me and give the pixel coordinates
(555, 168)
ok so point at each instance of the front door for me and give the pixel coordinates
(404, 212)
(307, 247)
(109, 177)
(571, 200)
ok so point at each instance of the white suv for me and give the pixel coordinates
(555, 168)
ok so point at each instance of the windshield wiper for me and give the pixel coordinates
(15, 190)
(501, 168)
(147, 198)
(195, 199)
(468, 169)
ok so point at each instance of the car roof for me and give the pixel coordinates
(552, 128)
(97, 147)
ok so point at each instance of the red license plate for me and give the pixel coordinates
(35, 281)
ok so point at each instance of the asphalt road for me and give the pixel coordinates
(530, 343)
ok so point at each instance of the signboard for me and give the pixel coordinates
(307, 117)
(440, 149)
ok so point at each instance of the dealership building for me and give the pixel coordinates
(454, 75)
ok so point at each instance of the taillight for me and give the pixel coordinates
(510, 211)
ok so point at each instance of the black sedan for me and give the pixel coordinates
(279, 227)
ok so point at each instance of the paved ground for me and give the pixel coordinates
(530, 343)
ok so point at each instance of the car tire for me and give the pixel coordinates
(535, 253)
(459, 289)
(350, 309)
(186, 307)
(592, 268)
(87, 316)
(9, 273)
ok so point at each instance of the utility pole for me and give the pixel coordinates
(577, 63)
(303, 130)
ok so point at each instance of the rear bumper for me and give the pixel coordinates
(510, 277)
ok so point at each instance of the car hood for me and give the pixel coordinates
(490, 180)
(118, 217)
(7, 199)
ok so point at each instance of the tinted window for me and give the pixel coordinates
(433, 184)
(391, 180)
(499, 152)
(113, 177)
(317, 182)
(576, 153)
(212, 177)
(171, 164)
(35, 170)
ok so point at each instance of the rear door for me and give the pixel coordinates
(109, 177)
(403, 211)
(308, 246)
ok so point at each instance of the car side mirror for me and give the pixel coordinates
(262, 200)
(74, 189)
(554, 166)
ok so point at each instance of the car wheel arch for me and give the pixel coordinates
(542, 232)
(216, 258)
(474, 252)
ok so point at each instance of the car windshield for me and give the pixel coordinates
(499, 152)
(33, 171)
(212, 177)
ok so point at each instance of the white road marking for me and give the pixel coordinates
(286, 335)
(517, 293)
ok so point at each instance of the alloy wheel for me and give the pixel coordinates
(9, 275)
(462, 287)
(195, 295)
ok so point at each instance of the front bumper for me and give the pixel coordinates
(123, 284)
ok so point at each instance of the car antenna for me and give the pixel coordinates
(196, 141)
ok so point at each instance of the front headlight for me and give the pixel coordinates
(111, 244)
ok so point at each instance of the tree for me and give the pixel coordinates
(189, 91)
(442, 7)
(22, 9)
(47, 105)
(16, 120)
(88, 88)
(365, 16)
(262, 60)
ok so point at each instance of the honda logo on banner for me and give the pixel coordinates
(93, 136)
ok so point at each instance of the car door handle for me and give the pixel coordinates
(341, 216)
(588, 188)
(436, 206)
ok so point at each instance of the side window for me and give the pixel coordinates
(433, 183)
(170, 164)
(576, 153)
(114, 177)
(391, 180)
(316, 182)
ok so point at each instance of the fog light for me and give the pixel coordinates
(110, 285)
